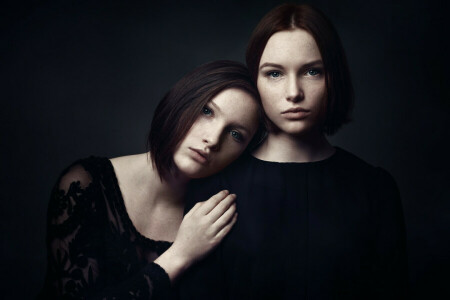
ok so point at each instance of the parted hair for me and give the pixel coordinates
(340, 96)
(181, 106)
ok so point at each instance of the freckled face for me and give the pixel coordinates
(291, 82)
(220, 134)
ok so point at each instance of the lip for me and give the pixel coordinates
(199, 156)
(296, 113)
(295, 110)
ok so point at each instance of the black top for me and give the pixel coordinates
(331, 229)
(94, 251)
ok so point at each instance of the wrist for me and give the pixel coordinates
(178, 260)
(173, 263)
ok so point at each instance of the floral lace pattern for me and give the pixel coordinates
(94, 251)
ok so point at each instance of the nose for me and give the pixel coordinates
(211, 138)
(294, 91)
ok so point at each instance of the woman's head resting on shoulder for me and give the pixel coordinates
(298, 63)
(205, 121)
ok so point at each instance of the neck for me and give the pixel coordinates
(282, 147)
(169, 191)
(147, 188)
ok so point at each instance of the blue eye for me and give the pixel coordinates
(207, 111)
(313, 72)
(274, 74)
(236, 135)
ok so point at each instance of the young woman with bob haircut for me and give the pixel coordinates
(111, 223)
(315, 221)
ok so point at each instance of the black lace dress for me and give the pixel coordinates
(94, 251)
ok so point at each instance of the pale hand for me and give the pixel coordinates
(201, 230)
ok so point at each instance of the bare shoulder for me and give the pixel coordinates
(126, 165)
(132, 171)
(134, 158)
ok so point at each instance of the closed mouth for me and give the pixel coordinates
(203, 154)
(295, 110)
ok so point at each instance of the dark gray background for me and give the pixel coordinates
(83, 77)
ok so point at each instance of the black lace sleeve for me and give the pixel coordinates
(76, 225)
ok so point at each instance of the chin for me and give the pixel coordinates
(294, 129)
(297, 128)
(194, 173)
(189, 173)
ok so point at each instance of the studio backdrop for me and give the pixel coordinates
(81, 78)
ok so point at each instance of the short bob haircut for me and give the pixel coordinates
(340, 96)
(181, 106)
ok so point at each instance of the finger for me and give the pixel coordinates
(225, 218)
(212, 202)
(222, 207)
(193, 209)
(222, 233)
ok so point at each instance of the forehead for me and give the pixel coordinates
(236, 106)
(290, 46)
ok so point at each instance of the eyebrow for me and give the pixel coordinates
(274, 65)
(216, 107)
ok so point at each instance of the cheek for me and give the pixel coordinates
(188, 139)
(319, 98)
(265, 91)
(269, 102)
(271, 96)
(195, 130)
(317, 93)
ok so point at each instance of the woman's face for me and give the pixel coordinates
(219, 135)
(291, 82)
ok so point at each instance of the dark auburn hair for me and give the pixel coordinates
(181, 106)
(339, 87)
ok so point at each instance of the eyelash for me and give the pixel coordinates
(236, 135)
(318, 72)
(239, 136)
(271, 74)
(207, 111)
